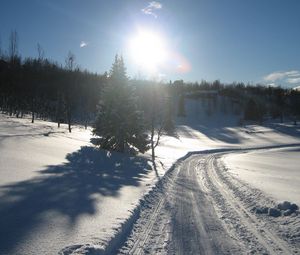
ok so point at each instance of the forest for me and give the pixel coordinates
(44, 89)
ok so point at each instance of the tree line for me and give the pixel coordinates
(126, 114)
(47, 90)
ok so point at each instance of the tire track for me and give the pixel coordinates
(270, 242)
(187, 214)
(183, 215)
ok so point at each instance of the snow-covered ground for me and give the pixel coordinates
(59, 193)
(275, 171)
(200, 208)
(57, 190)
(182, 214)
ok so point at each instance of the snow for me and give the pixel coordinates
(199, 131)
(183, 213)
(57, 190)
(275, 171)
(58, 193)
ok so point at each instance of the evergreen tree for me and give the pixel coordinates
(119, 124)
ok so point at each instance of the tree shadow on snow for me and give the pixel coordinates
(285, 129)
(219, 134)
(233, 134)
(66, 189)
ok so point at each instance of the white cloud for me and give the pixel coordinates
(293, 80)
(83, 44)
(288, 76)
(293, 73)
(151, 7)
(272, 84)
(156, 5)
(297, 88)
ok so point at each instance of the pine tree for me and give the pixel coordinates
(119, 124)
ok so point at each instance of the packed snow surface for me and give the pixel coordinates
(199, 208)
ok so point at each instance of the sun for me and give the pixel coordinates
(148, 50)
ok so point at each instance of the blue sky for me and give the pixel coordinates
(231, 40)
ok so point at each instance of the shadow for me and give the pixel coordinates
(155, 168)
(223, 134)
(31, 134)
(234, 134)
(291, 130)
(66, 189)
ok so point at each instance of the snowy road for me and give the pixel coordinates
(59, 194)
(199, 209)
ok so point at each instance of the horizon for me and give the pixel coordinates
(254, 43)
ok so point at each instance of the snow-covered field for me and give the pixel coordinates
(58, 193)
(57, 190)
(275, 171)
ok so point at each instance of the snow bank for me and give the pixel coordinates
(274, 171)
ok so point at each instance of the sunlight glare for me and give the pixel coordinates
(148, 50)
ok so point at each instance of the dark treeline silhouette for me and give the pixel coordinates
(66, 94)
(47, 90)
(264, 102)
(256, 102)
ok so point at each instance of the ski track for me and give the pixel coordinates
(199, 208)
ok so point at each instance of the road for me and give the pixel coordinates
(198, 209)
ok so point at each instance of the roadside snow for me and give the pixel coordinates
(276, 171)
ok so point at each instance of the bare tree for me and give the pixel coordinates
(0, 48)
(70, 66)
(13, 46)
(13, 79)
(70, 61)
(37, 79)
(156, 119)
(41, 52)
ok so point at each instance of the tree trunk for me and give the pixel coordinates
(152, 144)
(32, 109)
(86, 123)
(58, 109)
(69, 121)
(152, 151)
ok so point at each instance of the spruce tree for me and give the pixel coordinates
(119, 124)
